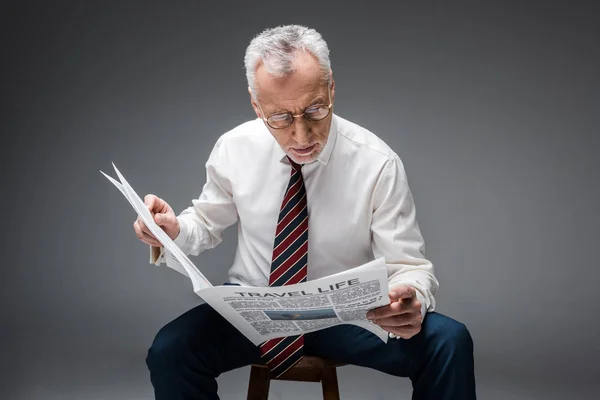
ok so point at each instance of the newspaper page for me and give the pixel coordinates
(199, 281)
(263, 313)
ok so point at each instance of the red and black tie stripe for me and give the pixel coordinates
(289, 266)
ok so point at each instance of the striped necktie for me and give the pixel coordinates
(289, 266)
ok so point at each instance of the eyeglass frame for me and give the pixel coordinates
(303, 114)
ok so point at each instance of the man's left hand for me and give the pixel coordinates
(402, 316)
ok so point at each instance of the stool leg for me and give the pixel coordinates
(330, 384)
(258, 388)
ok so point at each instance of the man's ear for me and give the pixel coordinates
(254, 105)
(332, 86)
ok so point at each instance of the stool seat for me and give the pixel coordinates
(306, 362)
(317, 362)
(308, 369)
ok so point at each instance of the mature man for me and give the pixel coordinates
(314, 194)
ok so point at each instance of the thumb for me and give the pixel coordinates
(402, 292)
(407, 293)
(149, 201)
(164, 220)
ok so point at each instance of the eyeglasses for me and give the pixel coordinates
(316, 112)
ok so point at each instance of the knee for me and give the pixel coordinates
(166, 349)
(449, 336)
(458, 338)
(183, 342)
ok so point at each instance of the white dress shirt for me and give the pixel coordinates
(360, 208)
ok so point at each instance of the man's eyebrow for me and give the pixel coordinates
(278, 111)
(319, 99)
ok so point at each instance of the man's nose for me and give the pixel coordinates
(301, 131)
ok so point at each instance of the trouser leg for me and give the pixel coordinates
(190, 352)
(438, 360)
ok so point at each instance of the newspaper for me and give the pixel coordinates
(263, 313)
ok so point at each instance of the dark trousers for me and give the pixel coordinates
(192, 350)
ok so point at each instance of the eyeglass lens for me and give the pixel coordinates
(313, 113)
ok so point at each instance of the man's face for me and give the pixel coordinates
(304, 140)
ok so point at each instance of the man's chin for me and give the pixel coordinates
(304, 159)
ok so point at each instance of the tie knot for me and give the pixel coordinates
(295, 165)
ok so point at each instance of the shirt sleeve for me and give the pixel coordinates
(397, 237)
(202, 224)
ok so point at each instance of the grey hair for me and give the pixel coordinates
(275, 47)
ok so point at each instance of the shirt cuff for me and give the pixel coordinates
(156, 255)
(421, 299)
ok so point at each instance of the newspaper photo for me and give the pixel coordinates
(263, 313)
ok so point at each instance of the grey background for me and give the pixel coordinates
(493, 107)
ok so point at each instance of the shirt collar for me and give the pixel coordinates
(325, 154)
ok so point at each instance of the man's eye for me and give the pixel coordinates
(278, 117)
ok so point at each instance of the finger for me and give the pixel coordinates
(149, 239)
(145, 232)
(143, 227)
(162, 219)
(397, 320)
(394, 308)
(143, 236)
(151, 201)
(410, 305)
(138, 229)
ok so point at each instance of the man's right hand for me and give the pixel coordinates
(163, 216)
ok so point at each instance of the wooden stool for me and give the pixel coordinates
(308, 369)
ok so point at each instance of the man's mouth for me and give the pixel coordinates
(305, 150)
